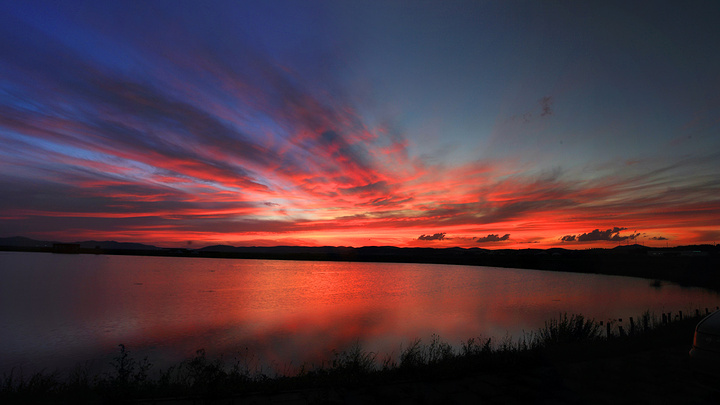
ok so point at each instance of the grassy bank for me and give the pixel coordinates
(565, 339)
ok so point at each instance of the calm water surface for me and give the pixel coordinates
(61, 310)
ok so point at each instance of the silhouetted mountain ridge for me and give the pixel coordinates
(695, 265)
(21, 241)
(111, 244)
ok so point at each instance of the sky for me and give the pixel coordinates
(500, 124)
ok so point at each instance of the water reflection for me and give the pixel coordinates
(58, 310)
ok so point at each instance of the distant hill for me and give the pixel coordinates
(111, 245)
(278, 249)
(412, 254)
(631, 248)
(20, 241)
(218, 248)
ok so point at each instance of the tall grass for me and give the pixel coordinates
(568, 330)
(418, 354)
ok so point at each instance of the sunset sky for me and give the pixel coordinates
(508, 124)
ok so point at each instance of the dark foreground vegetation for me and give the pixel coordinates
(546, 364)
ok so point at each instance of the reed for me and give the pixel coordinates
(568, 330)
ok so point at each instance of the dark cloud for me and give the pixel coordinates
(659, 238)
(493, 238)
(546, 105)
(437, 236)
(341, 150)
(387, 201)
(512, 210)
(597, 235)
(380, 187)
(609, 235)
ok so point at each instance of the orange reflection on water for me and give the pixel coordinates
(287, 313)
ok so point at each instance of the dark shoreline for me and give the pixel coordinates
(696, 266)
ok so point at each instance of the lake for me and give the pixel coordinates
(61, 310)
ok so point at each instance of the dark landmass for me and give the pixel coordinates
(694, 265)
(39, 245)
(112, 245)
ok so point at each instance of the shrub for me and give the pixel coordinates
(568, 330)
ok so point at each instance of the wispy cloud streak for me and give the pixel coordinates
(163, 131)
